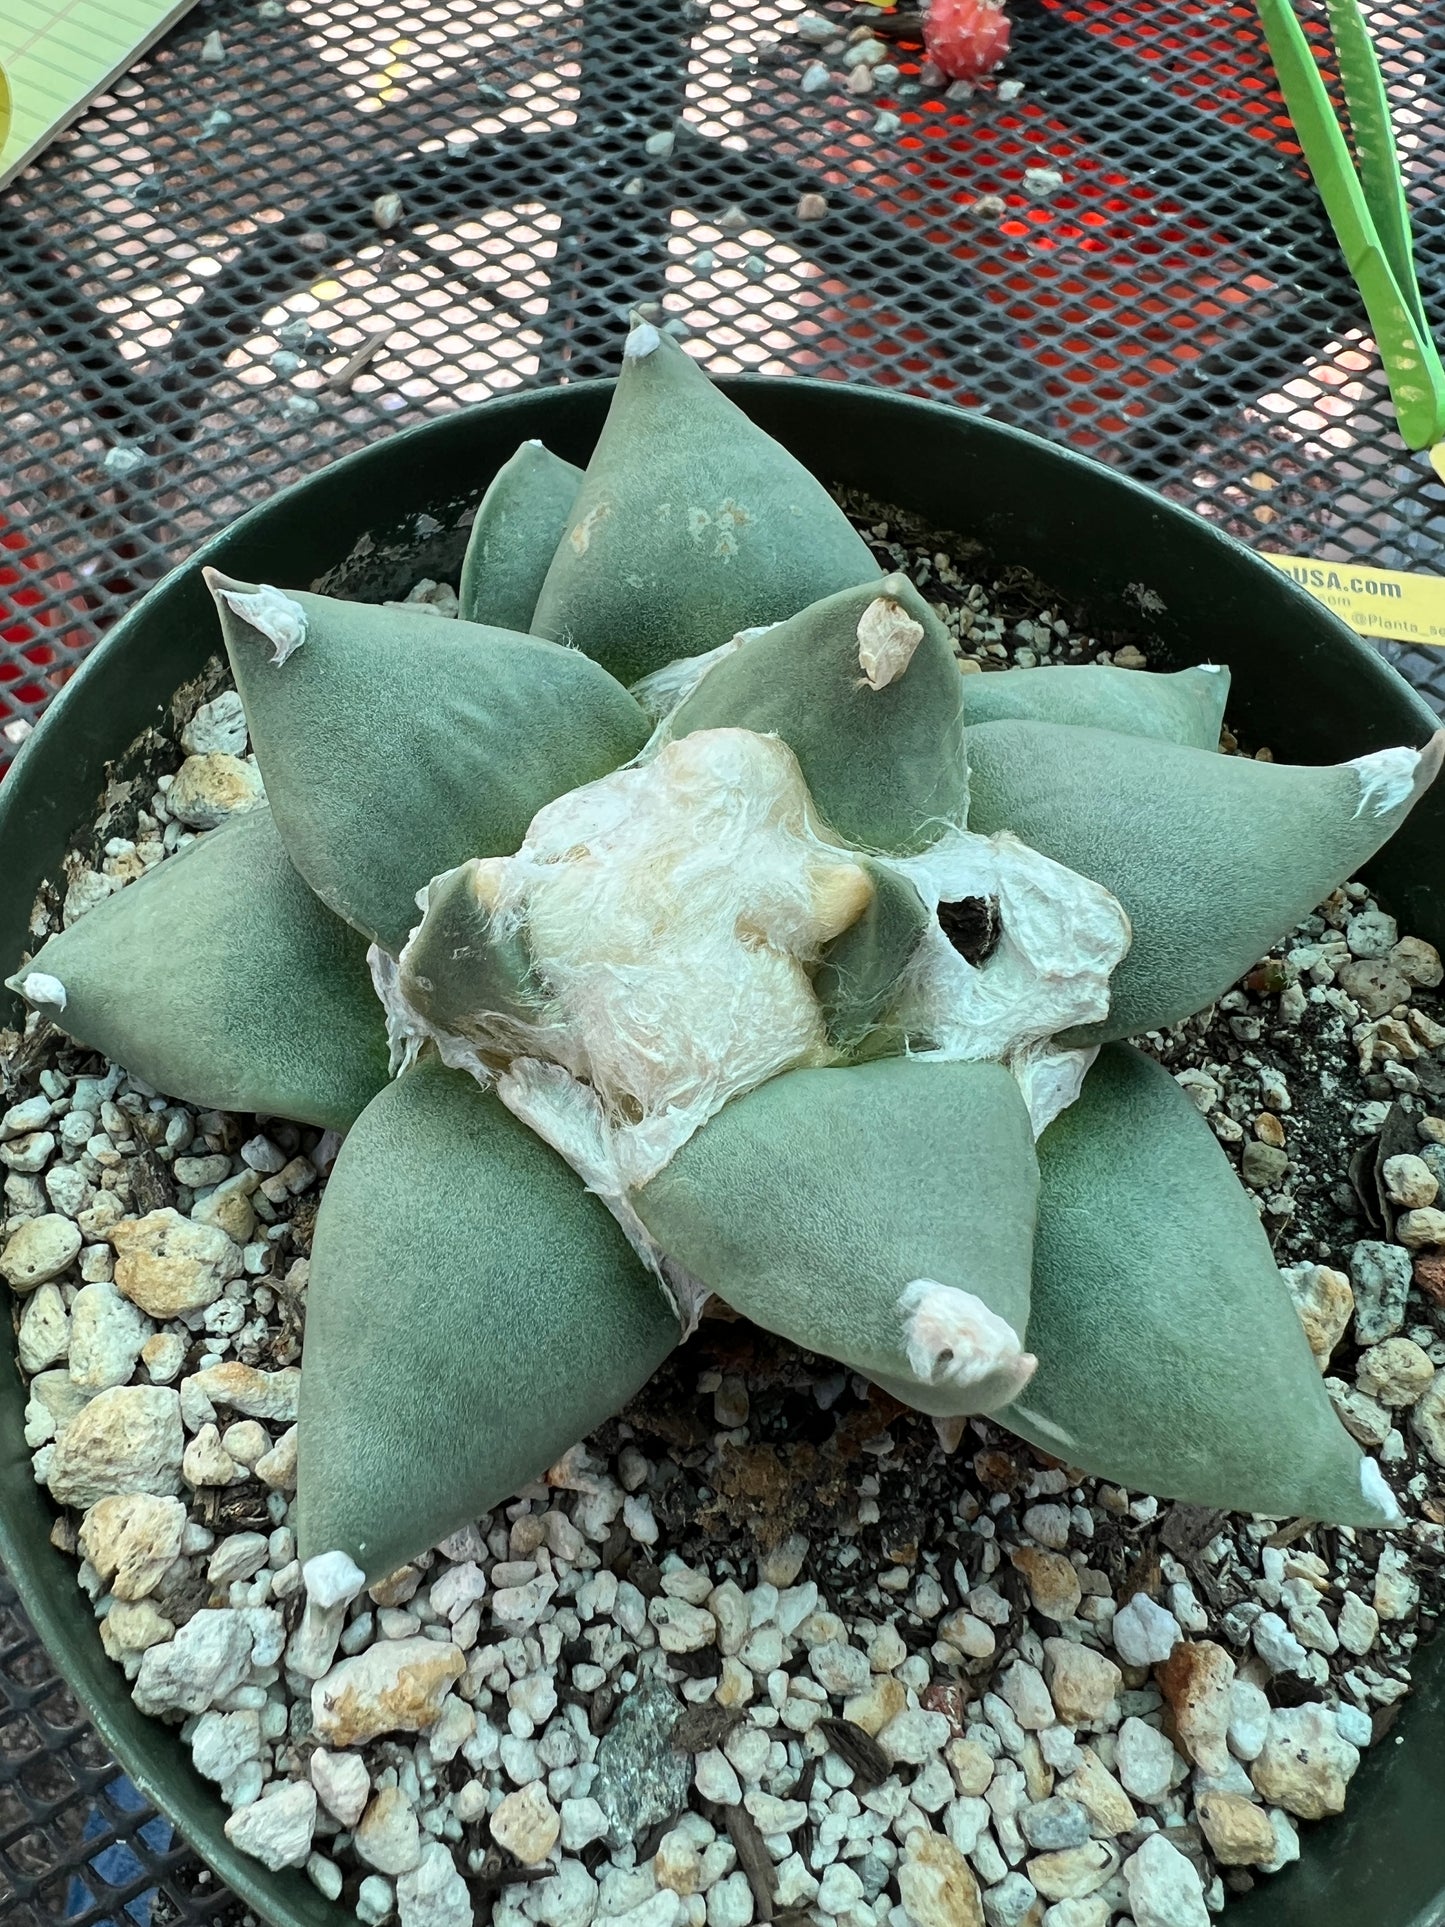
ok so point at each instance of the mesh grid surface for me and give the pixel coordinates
(206, 296)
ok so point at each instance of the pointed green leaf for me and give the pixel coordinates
(882, 1213)
(472, 1312)
(218, 978)
(690, 525)
(514, 537)
(1187, 707)
(394, 746)
(1215, 858)
(859, 974)
(1171, 1358)
(885, 763)
(458, 966)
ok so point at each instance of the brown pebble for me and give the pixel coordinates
(1430, 1274)
(949, 1697)
(395, 1588)
(1269, 1130)
(1195, 1680)
(1052, 1582)
(1237, 1830)
(998, 1471)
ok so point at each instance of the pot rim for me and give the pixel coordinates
(739, 388)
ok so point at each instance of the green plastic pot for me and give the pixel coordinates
(374, 523)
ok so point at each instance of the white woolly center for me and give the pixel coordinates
(950, 1337)
(280, 620)
(671, 908)
(1061, 937)
(673, 912)
(40, 988)
(1386, 780)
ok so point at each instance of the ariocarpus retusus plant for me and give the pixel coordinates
(645, 858)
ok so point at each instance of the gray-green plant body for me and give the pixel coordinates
(637, 869)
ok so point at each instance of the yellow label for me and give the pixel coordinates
(1375, 602)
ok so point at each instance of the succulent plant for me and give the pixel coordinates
(651, 860)
(967, 39)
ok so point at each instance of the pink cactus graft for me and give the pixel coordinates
(966, 38)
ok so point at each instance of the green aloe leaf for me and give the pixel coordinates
(690, 525)
(859, 973)
(394, 746)
(821, 1203)
(472, 1312)
(885, 764)
(1215, 858)
(219, 978)
(514, 537)
(1171, 1356)
(1186, 707)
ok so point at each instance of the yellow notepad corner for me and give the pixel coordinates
(57, 55)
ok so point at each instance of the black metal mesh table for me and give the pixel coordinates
(209, 290)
